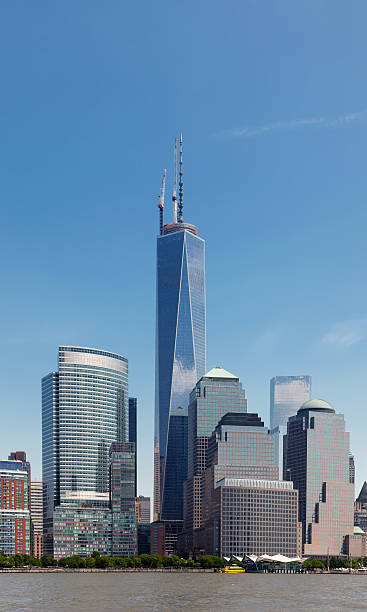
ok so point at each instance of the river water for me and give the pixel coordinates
(176, 592)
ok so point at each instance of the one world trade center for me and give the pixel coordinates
(180, 349)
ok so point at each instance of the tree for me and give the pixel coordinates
(47, 561)
(103, 561)
(90, 562)
(313, 564)
(210, 561)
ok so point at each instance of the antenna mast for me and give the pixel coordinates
(174, 192)
(161, 202)
(180, 191)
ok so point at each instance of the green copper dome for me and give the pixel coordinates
(317, 405)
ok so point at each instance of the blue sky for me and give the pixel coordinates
(272, 100)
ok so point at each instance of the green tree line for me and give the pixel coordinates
(103, 561)
(334, 563)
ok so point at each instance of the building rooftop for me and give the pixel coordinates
(218, 372)
(362, 497)
(241, 419)
(255, 483)
(11, 464)
(316, 405)
(170, 228)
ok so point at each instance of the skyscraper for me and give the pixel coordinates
(37, 517)
(287, 394)
(215, 394)
(133, 405)
(84, 410)
(180, 352)
(245, 508)
(143, 509)
(360, 507)
(317, 461)
(122, 499)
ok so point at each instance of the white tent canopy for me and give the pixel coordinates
(274, 559)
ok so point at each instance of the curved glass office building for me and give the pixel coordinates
(180, 358)
(84, 410)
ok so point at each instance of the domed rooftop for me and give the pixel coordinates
(316, 405)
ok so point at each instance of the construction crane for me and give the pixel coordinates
(161, 202)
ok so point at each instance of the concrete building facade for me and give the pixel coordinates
(15, 522)
(245, 508)
(317, 462)
(215, 394)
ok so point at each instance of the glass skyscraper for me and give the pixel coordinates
(133, 405)
(84, 410)
(180, 358)
(122, 499)
(287, 394)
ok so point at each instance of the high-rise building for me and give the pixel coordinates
(352, 468)
(22, 456)
(180, 353)
(215, 394)
(133, 405)
(37, 517)
(287, 394)
(360, 507)
(15, 528)
(122, 499)
(245, 508)
(317, 461)
(143, 530)
(84, 410)
(143, 509)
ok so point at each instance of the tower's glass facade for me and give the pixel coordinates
(133, 406)
(180, 358)
(122, 498)
(93, 413)
(84, 410)
(50, 455)
(287, 394)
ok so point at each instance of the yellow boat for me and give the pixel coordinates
(233, 569)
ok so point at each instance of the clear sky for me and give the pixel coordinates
(271, 97)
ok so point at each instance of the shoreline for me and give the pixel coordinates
(83, 570)
(166, 570)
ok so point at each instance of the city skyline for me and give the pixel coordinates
(274, 179)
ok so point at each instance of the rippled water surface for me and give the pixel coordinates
(171, 592)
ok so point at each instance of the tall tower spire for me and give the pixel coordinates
(161, 202)
(174, 192)
(180, 192)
